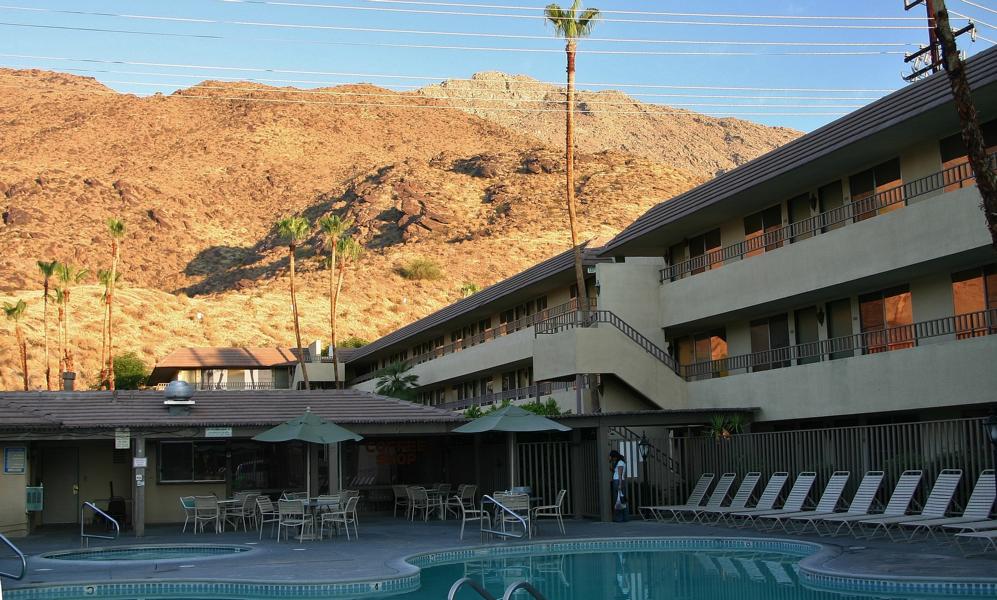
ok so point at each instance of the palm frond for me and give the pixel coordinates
(116, 227)
(14, 312)
(293, 229)
(586, 22)
(558, 18)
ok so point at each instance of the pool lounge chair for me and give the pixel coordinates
(828, 502)
(770, 495)
(794, 501)
(981, 502)
(740, 501)
(936, 505)
(695, 499)
(861, 501)
(899, 502)
(989, 539)
(717, 498)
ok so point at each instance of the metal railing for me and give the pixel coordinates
(20, 557)
(508, 511)
(858, 209)
(534, 391)
(84, 536)
(233, 385)
(870, 342)
(514, 587)
(501, 330)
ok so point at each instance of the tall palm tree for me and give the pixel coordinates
(293, 230)
(333, 227)
(396, 381)
(104, 277)
(60, 328)
(116, 227)
(571, 24)
(48, 271)
(350, 251)
(14, 313)
(68, 276)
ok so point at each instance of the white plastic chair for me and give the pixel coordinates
(551, 511)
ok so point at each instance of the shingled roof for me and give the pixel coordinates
(245, 358)
(102, 410)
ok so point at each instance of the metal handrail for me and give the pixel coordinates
(228, 386)
(474, 585)
(20, 556)
(522, 584)
(534, 391)
(85, 537)
(858, 208)
(505, 509)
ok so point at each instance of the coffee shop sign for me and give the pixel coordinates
(396, 452)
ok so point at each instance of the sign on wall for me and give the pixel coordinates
(15, 460)
(217, 432)
(122, 438)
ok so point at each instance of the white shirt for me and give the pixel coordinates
(616, 470)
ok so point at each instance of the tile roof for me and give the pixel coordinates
(192, 358)
(102, 410)
(891, 110)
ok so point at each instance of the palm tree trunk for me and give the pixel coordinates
(110, 313)
(48, 367)
(24, 354)
(61, 331)
(103, 343)
(972, 137)
(335, 316)
(569, 152)
(297, 330)
(333, 298)
(69, 350)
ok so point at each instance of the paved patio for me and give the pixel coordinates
(385, 540)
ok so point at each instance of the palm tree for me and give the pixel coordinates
(396, 381)
(571, 25)
(48, 270)
(116, 227)
(14, 313)
(60, 303)
(104, 277)
(349, 252)
(68, 276)
(333, 227)
(293, 230)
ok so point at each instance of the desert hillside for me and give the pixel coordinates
(201, 176)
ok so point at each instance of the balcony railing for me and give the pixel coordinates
(501, 330)
(871, 342)
(534, 391)
(858, 209)
(233, 386)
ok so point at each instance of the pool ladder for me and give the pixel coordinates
(522, 584)
(84, 536)
(20, 556)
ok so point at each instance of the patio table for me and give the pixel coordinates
(223, 507)
(312, 505)
(438, 497)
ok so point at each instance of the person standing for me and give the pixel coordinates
(617, 486)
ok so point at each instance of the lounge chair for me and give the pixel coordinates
(935, 507)
(973, 526)
(989, 539)
(770, 495)
(827, 504)
(899, 502)
(861, 501)
(740, 501)
(695, 499)
(981, 502)
(717, 498)
(794, 501)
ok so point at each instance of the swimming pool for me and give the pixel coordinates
(611, 569)
(156, 553)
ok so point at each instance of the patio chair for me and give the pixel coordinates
(291, 514)
(206, 511)
(861, 501)
(794, 501)
(187, 504)
(899, 502)
(989, 539)
(974, 526)
(551, 511)
(739, 502)
(717, 498)
(827, 504)
(981, 502)
(242, 512)
(770, 495)
(469, 514)
(346, 516)
(444, 489)
(694, 500)
(294, 496)
(935, 506)
(465, 497)
(401, 499)
(517, 503)
(267, 514)
(421, 501)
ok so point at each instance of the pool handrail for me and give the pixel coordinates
(522, 584)
(20, 556)
(84, 536)
(526, 526)
(514, 587)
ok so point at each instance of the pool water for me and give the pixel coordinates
(171, 552)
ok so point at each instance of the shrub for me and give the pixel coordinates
(353, 342)
(469, 289)
(129, 371)
(421, 268)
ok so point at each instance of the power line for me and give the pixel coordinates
(974, 20)
(471, 34)
(450, 47)
(979, 6)
(432, 77)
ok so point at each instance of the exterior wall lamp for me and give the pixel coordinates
(644, 445)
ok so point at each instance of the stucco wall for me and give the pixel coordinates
(929, 376)
(630, 290)
(13, 520)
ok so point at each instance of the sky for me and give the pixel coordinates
(304, 43)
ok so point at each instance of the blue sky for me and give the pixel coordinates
(317, 49)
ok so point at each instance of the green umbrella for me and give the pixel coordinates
(308, 428)
(511, 419)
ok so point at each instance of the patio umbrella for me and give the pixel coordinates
(308, 428)
(511, 419)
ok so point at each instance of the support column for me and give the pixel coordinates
(477, 462)
(602, 475)
(577, 473)
(512, 459)
(138, 486)
(332, 451)
(312, 463)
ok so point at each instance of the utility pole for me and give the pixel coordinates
(943, 42)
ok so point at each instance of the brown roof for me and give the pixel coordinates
(101, 410)
(247, 358)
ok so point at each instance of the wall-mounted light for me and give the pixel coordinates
(820, 316)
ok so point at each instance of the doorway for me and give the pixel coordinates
(61, 478)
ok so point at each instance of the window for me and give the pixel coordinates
(839, 328)
(799, 214)
(181, 462)
(973, 292)
(704, 249)
(830, 198)
(885, 318)
(877, 190)
(807, 336)
(474, 388)
(760, 231)
(770, 338)
(433, 397)
(954, 155)
(703, 347)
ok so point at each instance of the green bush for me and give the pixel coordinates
(421, 268)
(546, 409)
(353, 342)
(129, 371)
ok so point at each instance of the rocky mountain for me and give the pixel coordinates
(201, 176)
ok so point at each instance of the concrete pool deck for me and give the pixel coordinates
(385, 540)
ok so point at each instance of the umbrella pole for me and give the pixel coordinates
(512, 459)
(308, 477)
